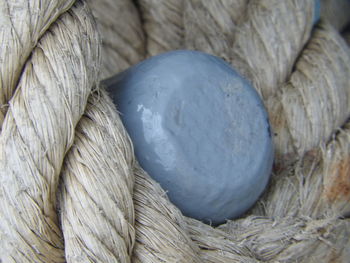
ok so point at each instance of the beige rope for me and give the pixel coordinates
(60, 127)
(292, 239)
(318, 187)
(221, 19)
(160, 228)
(273, 33)
(163, 25)
(37, 132)
(22, 24)
(316, 99)
(97, 211)
(122, 35)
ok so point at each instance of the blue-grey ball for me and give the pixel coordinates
(199, 129)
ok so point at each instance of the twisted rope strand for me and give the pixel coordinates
(109, 208)
(317, 186)
(290, 239)
(122, 35)
(269, 40)
(97, 211)
(221, 19)
(22, 24)
(163, 25)
(37, 132)
(161, 235)
(316, 100)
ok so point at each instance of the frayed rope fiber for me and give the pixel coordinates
(71, 189)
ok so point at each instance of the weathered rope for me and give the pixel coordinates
(38, 130)
(316, 99)
(71, 189)
(22, 25)
(97, 211)
(123, 45)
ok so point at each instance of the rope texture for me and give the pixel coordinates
(71, 189)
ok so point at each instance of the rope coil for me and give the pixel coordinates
(71, 189)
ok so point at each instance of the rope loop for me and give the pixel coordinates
(71, 189)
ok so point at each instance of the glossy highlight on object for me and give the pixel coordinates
(199, 129)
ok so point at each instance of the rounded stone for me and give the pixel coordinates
(199, 129)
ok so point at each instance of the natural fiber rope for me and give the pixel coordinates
(37, 132)
(123, 45)
(22, 24)
(59, 128)
(316, 99)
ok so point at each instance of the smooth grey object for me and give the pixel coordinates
(199, 129)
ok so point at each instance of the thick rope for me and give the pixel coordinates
(122, 35)
(160, 228)
(222, 18)
(163, 25)
(37, 132)
(264, 38)
(250, 38)
(97, 210)
(61, 127)
(22, 24)
(316, 99)
(317, 186)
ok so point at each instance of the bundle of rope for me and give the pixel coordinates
(71, 189)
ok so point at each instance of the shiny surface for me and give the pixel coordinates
(199, 129)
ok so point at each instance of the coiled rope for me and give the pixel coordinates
(71, 189)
